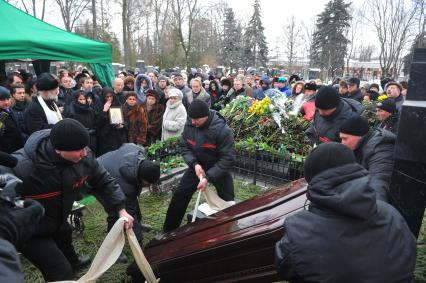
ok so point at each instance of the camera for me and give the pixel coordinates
(9, 184)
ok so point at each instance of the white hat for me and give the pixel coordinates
(175, 92)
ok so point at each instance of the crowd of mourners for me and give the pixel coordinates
(348, 171)
(153, 106)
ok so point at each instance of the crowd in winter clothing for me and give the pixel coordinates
(142, 109)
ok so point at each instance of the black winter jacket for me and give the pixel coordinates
(346, 235)
(375, 153)
(326, 129)
(123, 165)
(11, 138)
(18, 111)
(55, 182)
(357, 95)
(390, 124)
(211, 146)
(35, 118)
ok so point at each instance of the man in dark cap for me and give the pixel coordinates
(331, 112)
(387, 115)
(43, 112)
(374, 91)
(373, 149)
(207, 146)
(181, 84)
(345, 235)
(54, 165)
(161, 87)
(354, 91)
(11, 138)
(394, 92)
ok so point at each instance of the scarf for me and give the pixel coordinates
(52, 117)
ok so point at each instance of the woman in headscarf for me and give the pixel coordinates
(81, 111)
(136, 119)
(111, 133)
(154, 111)
(174, 117)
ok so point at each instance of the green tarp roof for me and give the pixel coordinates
(23, 36)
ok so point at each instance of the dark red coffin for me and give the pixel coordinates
(233, 245)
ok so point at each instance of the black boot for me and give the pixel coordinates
(83, 261)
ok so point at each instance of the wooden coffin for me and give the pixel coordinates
(233, 245)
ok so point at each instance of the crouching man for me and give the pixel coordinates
(54, 165)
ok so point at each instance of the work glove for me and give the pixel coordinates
(18, 221)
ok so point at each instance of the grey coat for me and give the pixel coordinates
(376, 154)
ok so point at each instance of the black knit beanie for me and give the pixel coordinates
(388, 105)
(355, 126)
(149, 171)
(46, 82)
(198, 109)
(327, 156)
(69, 135)
(327, 98)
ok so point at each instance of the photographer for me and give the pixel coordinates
(17, 223)
(54, 165)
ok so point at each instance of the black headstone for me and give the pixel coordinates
(408, 186)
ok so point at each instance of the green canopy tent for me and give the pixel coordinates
(23, 36)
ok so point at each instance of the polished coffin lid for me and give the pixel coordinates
(236, 244)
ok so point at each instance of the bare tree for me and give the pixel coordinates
(292, 40)
(393, 21)
(31, 8)
(352, 35)
(71, 11)
(160, 23)
(95, 25)
(308, 35)
(185, 12)
(366, 52)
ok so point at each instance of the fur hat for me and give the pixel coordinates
(46, 82)
(129, 79)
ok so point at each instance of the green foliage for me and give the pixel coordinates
(171, 162)
(253, 130)
(329, 45)
(160, 146)
(370, 112)
(232, 45)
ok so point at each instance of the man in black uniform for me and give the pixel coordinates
(331, 112)
(207, 146)
(54, 165)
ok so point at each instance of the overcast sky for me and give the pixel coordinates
(275, 14)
